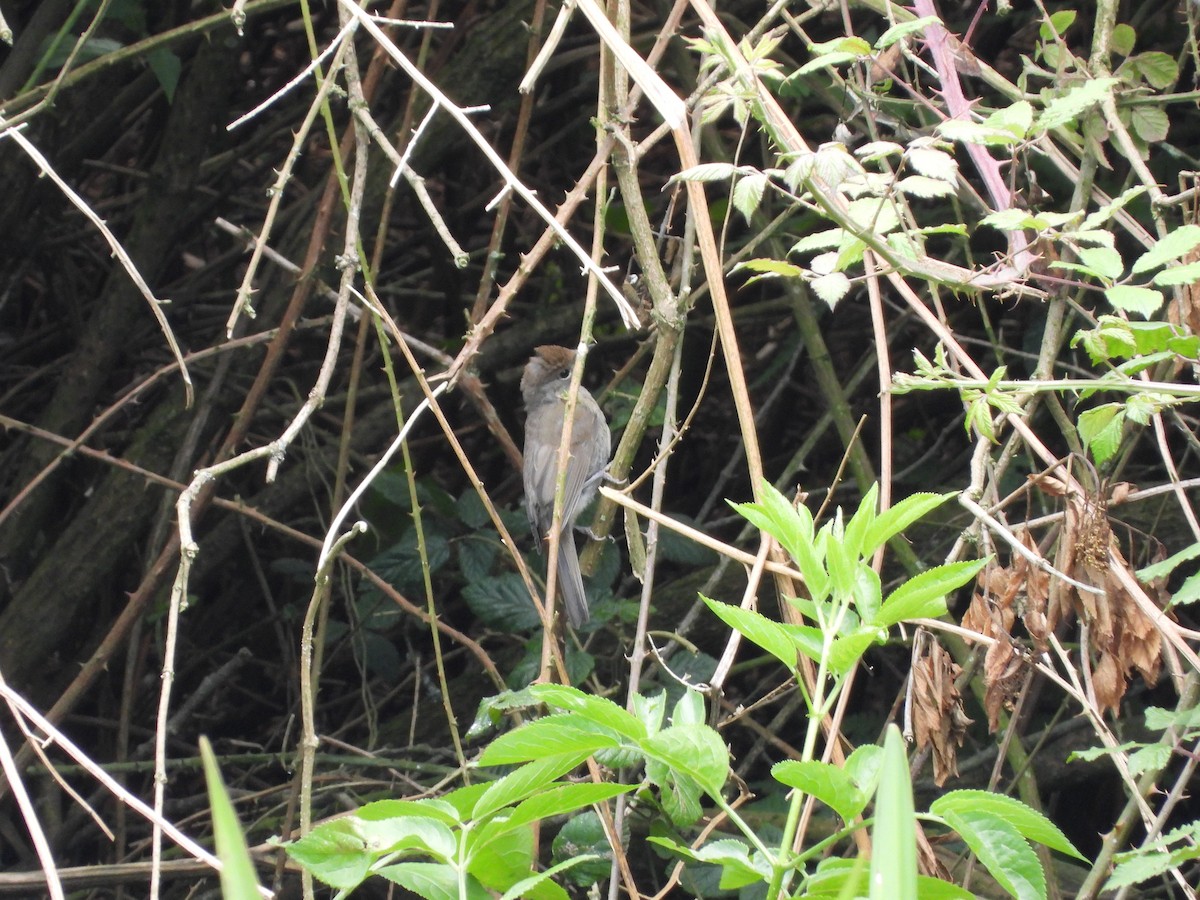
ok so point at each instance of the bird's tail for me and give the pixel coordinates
(570, 581)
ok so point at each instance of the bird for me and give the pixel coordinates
(544, 385)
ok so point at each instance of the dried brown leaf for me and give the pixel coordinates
(938, 715)
(1002, 678)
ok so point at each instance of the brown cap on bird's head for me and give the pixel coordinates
(547, 358)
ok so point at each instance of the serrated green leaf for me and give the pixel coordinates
(1030, 823)
(1100, 429)
(874, 214)
(924, 187)
(708, 172)
(933, 163)
(1104, 261)
(434, 882)
(696, 751)
(891, 522)
(821, 240)
(748, 193)
(902, 30)
(825, 781)
(598, 710)
(758, 629)
(1167, 566)
(875, 150)
(1188, 592)
(1002, 850)
(1173, 275)
(333, 852)
(1172, 246)
(976, 133)
(1159, 69)
(526, 781)
(1150, 123)
(1142, 301)
(1078, 99)
(550, 736)
(1106, 212)
(830, 288)
(924, 595)
(1123, 39)
(771, 267)
(563, 799)
(502, 602)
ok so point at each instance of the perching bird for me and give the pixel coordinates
(544, 388)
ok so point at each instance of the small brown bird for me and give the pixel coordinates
(544, 388)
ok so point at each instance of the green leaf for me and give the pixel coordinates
(599, 710)
(821, 240)
(825, 781)
(903, 29)
(894, 845)
(502, 602)
(896, 519)
(1189, 273)
(563, 799)
(166, 67)
(1189, 591)
(924, 187)
(550, 736)
(776, 267)
(334, 853)
(1002, 850)
(1077, 100)
(708, 172)
(793, 528)
(1142, 301)
(238, 881)
(1168, 248)
(1104, 261)
(1057, 26)
(872, 151)
(526, 781)
(845, 652)
(1159, 69)
(976, 133)
(924, 595)
(876, 215)
(1150, 123)
(696, 751)
(1167, 566)
(830, 288)
(748, 193)
(539, 884)
(499, 856)
(1104, 213)
(434, 881)
(1147, 865)
(1123, 39)
(933, 163)
(860, 523)
(1030, 823)
(1100, 429)
(1015, 119)
(758, 629)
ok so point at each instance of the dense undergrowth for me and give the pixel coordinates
(891, 309)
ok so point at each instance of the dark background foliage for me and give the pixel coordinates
(86, 535)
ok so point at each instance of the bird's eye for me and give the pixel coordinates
(565, 373)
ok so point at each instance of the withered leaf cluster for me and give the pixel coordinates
(1119, 637)
(938, 715)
